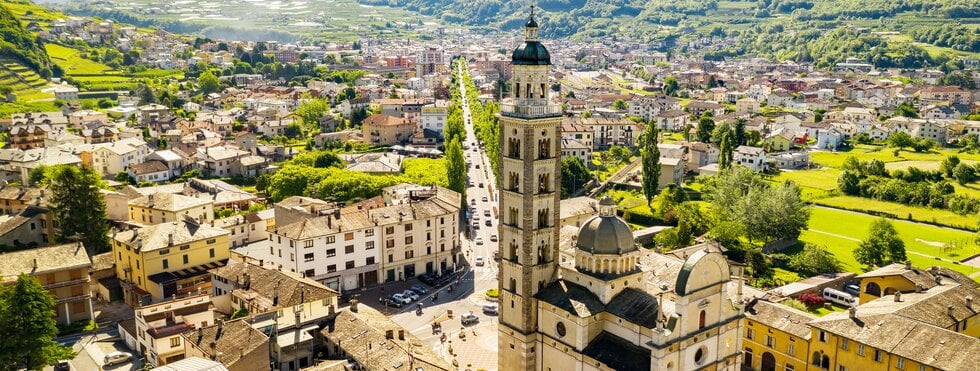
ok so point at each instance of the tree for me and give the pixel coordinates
(124, 177)
(814, 259)
(27, 322)
(907, 110)
(207, 83)
(650, 157)
(882, 246)
(311, 111)
(293, 131)
(455, 128)
(900, 140)
(706, 125)
(79, 208)
(726, 154)
(849, 183)
(620, 153)
(740, 136)
(456, 167)
(574, 174)
(948, 164)
(759, 264)
(619, 104)
(328, 159)
(964, 173)
(811, 299)
(671, 86)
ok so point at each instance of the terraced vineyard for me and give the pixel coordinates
(26, 84)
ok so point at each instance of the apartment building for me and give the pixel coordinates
(163, 207)
(63, 270)
(168, 259)
(158, 327)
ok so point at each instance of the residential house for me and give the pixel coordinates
(747, 106)
(831, 139)
(154, 171)
(63, 270)
(575, 148)
(753, 158)
(779, 140)
(31, 227)
(700, 154)
(235, 344)
(698, 107)
(350, 335)
(673, 120)
(109, 159)
(168, 259)
(649, 107)
(223, 161)
(574, 128)
(162, 207)
(158, 327)
(381, 129)
(433, 117)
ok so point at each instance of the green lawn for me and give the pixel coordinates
(867, 152)
(901, 211)
(841, 232)
(72, 62)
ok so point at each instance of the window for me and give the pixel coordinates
(841, 368)
(408, 240)
(878, 355)
(331, 268)
(164, 251)
(175, 342)
(308, 257)
(369, 261)
(408, 227)
(292, 257)
(390, 243)
(166, 264)
(409, 254)
(369, 245)
(331, 239)
(349, 249)
(308, 244)
(823, 337)
(791, 349)
(922, 367)
(789, 367)
(331, 252)
(749, 334)
(349, 264)
(701, 320)
(770, 341)
(369, 233)
(391, 258)
(348, 236)
(309, 273)
(389, 230)
(137, 264)
(860, 350)
(185, 247)
(211, 252)
(844, 344)
(211, 241)
(901, 363)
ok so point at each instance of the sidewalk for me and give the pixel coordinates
(476, 351)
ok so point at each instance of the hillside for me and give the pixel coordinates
(906, 33)
(22, 46)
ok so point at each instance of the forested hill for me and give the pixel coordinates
(21, 45)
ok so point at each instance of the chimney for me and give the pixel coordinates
(898, 296)
(170, 239)
(852, 312)
(389, 334)
(401, 334)
(939, 280)
(949, 310)
(353, 305)
(150, 199)
(331, 311)
(35, 263)
(261, 262)
(918, 287)
(908, 264)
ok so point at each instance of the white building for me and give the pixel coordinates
(433, 117)
(158, 327)
(753, 158)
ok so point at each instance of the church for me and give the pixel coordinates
(589, 298)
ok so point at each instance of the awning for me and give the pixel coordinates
(167, 277)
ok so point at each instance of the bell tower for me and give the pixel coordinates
(530, 167)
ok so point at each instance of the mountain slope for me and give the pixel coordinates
(21, 45)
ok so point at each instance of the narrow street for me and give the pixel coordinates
(477, 349)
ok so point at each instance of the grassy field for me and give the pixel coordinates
(923, 214)
(71, 61)
(867, 152)
(841, 232)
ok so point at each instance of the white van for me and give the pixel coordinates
(839, 297)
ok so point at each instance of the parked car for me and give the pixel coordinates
(410, 294)
(62, 365)
(393, 303)
(491, 309)
(428, 279)
(853, 289)
(478, 261)
(419, 289)
(477, 166)
(469, 319)
(478, 240)
(401, 298)
(116, 358)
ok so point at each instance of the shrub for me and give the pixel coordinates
(810, 299)
(795, 304)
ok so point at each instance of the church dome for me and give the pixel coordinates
(531, 53)
(606, 233)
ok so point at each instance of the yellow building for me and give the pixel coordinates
(63, 270)
(903, 278)
(775, 337)
(167, 259)
(164, 207)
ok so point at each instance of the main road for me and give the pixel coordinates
(479, 243)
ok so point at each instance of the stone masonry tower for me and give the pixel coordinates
(530, 167)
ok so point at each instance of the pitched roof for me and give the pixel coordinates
(233, 341)
(44, 259)
(168, 201)
(363, 336)
(780, 317)
(290, 288)
(158, 236)
(148, 167)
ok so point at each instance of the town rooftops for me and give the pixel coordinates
(163, 235)
(43, 260)
(148, 167)
(232, 341)
(926, 278)
(385, 120)
(168, 201)
(325, 225)
(780, 317)
(377, 343)
(273, 288)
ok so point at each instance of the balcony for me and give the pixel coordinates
(56, 285)
(71, 299)
(529, 112)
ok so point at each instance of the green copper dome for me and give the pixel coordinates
(532, 53)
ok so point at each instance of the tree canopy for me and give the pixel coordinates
(882, 246)
(79, 208)
(27, 322)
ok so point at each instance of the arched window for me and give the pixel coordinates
(816, 359)
(514, 148)
(873, 289)
(514, 182)
(513, 285)
(544, 183)
(528, 91)
(544, 149)
(513, 251)
(544, 91)
(517, 90)
(543, 218)
(825, 364)
(701, 320)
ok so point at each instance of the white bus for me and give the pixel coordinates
(839, 297)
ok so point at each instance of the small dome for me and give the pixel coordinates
(531, 53)
(606, 233)
(531, 22)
